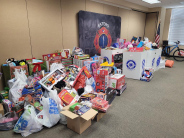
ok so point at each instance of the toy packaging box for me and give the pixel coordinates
(121, 42)
(88, 65)
(102, 80)
(67, 62)
(117, 81)
(78, 123)
(118, 60)
(135, 49)
(147, 74)
(50, 62)
(52, 78)
(53, 56)
(110, 95)
(80, 62)
(66, 97)
(83, 56)
(119, 92)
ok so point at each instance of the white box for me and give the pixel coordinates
(157, 59)
(107, 54)
(133, 64)
(150, 60)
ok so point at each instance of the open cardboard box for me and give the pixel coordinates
(99, 116)
(78, 123)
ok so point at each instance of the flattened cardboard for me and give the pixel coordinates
(89, 114)
(1, 110)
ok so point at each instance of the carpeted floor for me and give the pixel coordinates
(145, 110)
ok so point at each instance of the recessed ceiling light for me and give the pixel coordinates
(152, 1)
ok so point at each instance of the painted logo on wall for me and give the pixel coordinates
(102, 39)
(153, 61)
(158, 61)
(143, 63)
(131, 64)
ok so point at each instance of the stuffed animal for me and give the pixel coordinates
(129, 46)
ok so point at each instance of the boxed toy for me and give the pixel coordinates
(110, 95)
(116, 81)
(53, 56)
(66, 97)
(136, 49)
(1, 110)
(52, 78)
(80, 62)
(78, 123)
(50, 62)
(118, 60)
(102, 80)
(83, 56)
(87, 97)
(88, 65)
(67, 62)
(147, 74)
(120, 91)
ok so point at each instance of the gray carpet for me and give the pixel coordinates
(145, 110)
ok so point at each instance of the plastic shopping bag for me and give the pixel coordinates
(8, 121)
(16, 91)
(27, 123)
(55, 66)
(20, 74)
(49, 116)
(53, 95)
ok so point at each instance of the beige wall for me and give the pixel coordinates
(151, 26)
(53, 25)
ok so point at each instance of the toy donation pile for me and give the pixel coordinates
(67, 87)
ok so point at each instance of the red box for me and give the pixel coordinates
(117, 81)
(66, 97)
(102, 80)
(53, 56)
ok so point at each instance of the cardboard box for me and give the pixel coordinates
(150, 60)
(1, 110)
(78, 123)
(99, 116)
(157, 59)
(116, 81)
(133, 64)
(119, 92)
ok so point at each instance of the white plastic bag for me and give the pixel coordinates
(162, 64)
(11, 82)
(55, 66)
(49, 116)
(27, 123)
(20, 74)
(53, 95)
(16, 91)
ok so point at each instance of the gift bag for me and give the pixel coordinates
(31, 66)
(27, 123)
(8, 121)
(8, 72)
(49, 116)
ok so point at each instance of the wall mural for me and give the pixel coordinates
(97, 31)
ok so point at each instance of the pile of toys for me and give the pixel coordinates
(64, 93)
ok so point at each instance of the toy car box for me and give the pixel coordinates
(119, 92)
(117, 81)
(78, 123)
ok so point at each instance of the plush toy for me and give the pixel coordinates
(129, 46)
(127, 43)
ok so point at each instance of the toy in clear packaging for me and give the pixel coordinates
(121, 43)
(147, 74)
